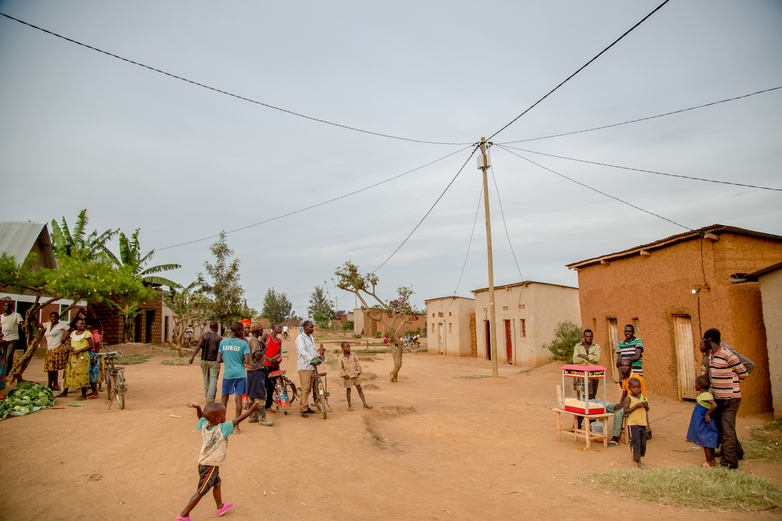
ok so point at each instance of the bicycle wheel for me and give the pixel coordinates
(322, 405)
(119, 390)
(109, 379)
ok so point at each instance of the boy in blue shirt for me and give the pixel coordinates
(214, 433)
(234, 353)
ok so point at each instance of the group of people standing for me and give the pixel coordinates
(70, 347)
(713, 423)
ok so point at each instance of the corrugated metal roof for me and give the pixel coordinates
(18, 238)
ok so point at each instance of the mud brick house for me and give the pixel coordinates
(365, 325)
(527, 315)
(770, 280)
(451, 322)
(672, 290)
(149, 324)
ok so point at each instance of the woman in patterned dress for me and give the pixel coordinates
(56, 332)
(77, 373)
(96, 362)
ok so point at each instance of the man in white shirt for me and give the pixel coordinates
(305, 353)
(10, 323)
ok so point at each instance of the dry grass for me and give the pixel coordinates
(133, 359)
(692, 487)
(765, 442)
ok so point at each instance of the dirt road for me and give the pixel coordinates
(443, 443)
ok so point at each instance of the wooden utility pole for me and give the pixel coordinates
(484, 165)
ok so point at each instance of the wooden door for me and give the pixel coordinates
(508, 342)
(441, 346)
(613, 344)
(685, 356)
(488, 340)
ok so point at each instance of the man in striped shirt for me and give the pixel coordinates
(632, 348)
(725, 371)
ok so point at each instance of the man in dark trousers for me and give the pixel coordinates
(725, 372)
(210, 343)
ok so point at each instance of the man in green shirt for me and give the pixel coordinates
(586, 352)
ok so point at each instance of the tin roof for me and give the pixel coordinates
(714, 229)
(18, 238)
(523, 283)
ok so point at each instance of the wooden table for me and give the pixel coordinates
(585, 432)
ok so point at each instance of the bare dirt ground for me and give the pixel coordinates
(439, 444)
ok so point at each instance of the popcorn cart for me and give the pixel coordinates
(583, 395)
(583, 389)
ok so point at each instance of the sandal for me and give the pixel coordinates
(612, 443)
(80, 398)
(92, 397)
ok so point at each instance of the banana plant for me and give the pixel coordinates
(78, 244)
(130, 257)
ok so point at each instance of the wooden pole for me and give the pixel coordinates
(492, 313)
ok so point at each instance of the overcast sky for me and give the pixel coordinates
(79, 129)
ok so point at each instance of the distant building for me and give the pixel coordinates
(364, 324)
(451, 323)
(672, 290)
(527, 315)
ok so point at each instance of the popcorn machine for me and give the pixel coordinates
(583, 388)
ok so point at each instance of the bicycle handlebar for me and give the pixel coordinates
(112, 354)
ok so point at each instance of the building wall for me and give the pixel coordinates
(448, 320)
(533, 311)
(651, 290)
(147, 331)
(771, 296)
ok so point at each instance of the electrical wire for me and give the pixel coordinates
(505, 224)
(647, 171)
(220, 91)
(595, 189)
(469, 244)
(642, 119)
(428, 211)
(318, 204)
(580, 69)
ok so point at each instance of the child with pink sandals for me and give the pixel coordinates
(214, 432)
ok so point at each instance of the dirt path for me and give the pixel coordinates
(439, 444)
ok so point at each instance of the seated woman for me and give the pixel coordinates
(77, 372)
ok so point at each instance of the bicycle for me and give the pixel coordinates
(283, 398)
(320, 389)
(115, 378)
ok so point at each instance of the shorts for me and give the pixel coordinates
(236, 386)
(347, 383)
(256, 384)
(208, 477)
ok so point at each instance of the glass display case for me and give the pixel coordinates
(583, 388)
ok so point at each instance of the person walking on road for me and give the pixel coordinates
(209, 344)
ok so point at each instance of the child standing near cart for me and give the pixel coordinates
(350, 371)
(635, 407)
(214, 433)
(703, 431)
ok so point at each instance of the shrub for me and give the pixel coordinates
(378, 335)
(347, 326)
(566, 336)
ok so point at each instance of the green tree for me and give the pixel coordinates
(394, 314)
(77, 243)
(74, 279)
(276, 306)
(228, 304)
(320, 308)
(566, 336)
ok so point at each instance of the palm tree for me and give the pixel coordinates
(78, 244)
(130, 257)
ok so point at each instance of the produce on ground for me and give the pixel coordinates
(26, 398)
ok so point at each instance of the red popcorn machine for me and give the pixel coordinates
(583, 388)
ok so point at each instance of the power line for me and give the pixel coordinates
(220, 91)
(647, 171)
(429, 211)
(469, 244)
(580, 69)
(316, 205)
(502, 213)
(595, 189)
(644, 119)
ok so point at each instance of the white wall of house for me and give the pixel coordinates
(527, 315)
(448, 323)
